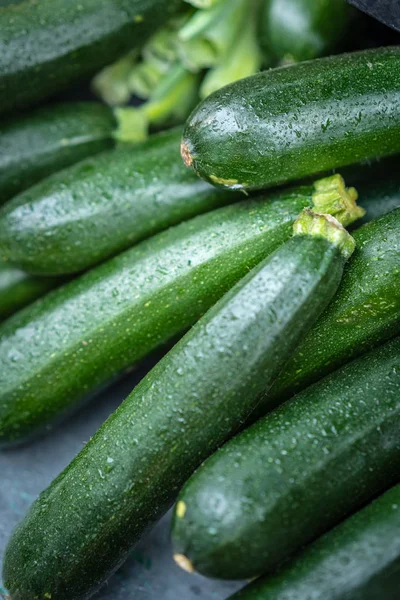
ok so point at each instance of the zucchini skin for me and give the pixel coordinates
(47, 46)
(359, 559)
(300, 30)
(364, 313)
(17, 289)
(103, 205)
(295, 121)
(49, 139)
(193, 400)
(78, 338)
(295, 473)
(378, 197)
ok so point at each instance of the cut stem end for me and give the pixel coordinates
(326, 226)
(185, 152)
(333, 198)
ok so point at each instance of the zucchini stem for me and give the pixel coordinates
(332, 197)
(326, 226)
(184, 563)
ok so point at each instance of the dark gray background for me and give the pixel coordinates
(150, 573)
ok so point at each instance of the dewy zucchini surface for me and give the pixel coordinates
(364, 313)
(192, 401)
(103, 205)
(47, 46)
(291, 122)
(359, 559)
(17, 289)
(295, 473)
(81, 336)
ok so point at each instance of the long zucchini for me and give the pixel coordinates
(101, 206)
(47, 46)
(81, 336)
(364, 313)
(51, 138)
(292, 122)
(17, 289)
(83, 526)
(359, 559)
(295, 473)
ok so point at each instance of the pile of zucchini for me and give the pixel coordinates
(273, 422)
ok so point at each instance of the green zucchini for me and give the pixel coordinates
(47, 46)
(378, 197)
(193, 400)
(49, 139)
(295, 473)
(292, 122)
(101, 206)
(364, 313)
(297, 30)
(17, 289)
(84, 334)
(359, 559)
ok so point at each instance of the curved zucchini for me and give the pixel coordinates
(297, 30)
(192, 401)
(101, 206)
(295, 473)
(47, 46)
(49, 139)
(359, 559)
(364, 313)
(122, 310)
(292, 122)
(17, 289)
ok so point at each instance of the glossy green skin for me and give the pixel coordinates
(103, 205)
(17, 289)
(364, 313)
(292, 122)
(47, 46)
(49, 139)
(358, 560)
(84, 334)
(297, 30)
(295, 473)
(193, 400)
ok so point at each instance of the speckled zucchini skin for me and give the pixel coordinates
(292, 122)
(49, 139)
(46, 46)
(359, 559)
(297, 30)
(195, 398)
(295, 473)
(364, 313)
(79, 337)
(17, 289)
(103, 205)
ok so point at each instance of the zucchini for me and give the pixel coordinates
(195, 397)
(49, 139)
(364, 313)
(81, 336)
(379, 197)
(47, 46)
(295, 473)
(292, 122)
(101, 206)
(17, 289)
(297, 30)
(359, 559)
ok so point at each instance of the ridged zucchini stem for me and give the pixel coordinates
(132, 126)
(331, 196)
(327, 226)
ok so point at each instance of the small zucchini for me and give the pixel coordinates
(81, 336)
(47, 46)
(359, 559)
(292, 122)
(193, 400)
(297, 30)
(295, 473)
(101, 206)
(51, 138)
(17, 289)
